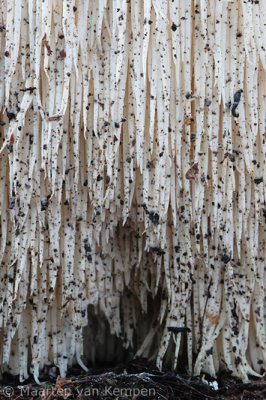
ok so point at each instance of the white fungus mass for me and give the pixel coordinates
(133, 173)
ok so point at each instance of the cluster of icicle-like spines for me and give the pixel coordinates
(126, 173)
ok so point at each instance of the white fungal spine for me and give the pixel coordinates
(132, 180)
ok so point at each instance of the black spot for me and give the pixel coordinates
(257, 181)
(157, 250)
(174, 27)
(237, 361)
(231, 157)
(176, 329)
(44, 203)
(10, 115)
(154, 217)
(87, 246)
(207, 102)
(12, 203)
(209, 352)
(237, 98)
(225, 258)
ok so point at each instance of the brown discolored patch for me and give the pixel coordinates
(214, 319)
(62, 53)
(189, 120)
(46, 45)
(54, 118)
(193, 171)
(12, 139)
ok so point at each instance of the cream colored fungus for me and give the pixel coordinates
(133, 161)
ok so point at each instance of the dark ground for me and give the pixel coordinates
(138, 380)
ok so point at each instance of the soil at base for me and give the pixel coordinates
(138, 380)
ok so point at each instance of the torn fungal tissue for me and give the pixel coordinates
(132, 173)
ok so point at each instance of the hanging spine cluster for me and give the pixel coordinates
(132, 139)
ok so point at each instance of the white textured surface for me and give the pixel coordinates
(124, 166)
